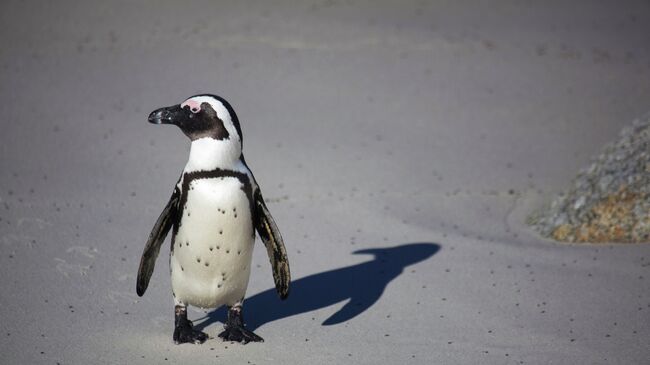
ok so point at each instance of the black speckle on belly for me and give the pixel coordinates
(198, 259)
(207, 264)
(211, 248)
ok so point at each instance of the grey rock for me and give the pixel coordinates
(609, 195)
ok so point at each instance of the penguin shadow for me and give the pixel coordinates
(361, 285)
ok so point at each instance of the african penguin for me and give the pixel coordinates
(213, 213)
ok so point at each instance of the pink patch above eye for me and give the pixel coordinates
(193, 104)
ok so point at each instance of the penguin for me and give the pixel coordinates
(213, 213)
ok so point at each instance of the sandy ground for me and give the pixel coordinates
(401, 146)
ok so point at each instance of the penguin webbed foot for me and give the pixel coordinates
(184, 331)
(240, 334)
(234, 329)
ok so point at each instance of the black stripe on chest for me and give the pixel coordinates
(188, 177)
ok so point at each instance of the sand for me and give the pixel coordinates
(400, 146)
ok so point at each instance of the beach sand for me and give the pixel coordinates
(418, 135)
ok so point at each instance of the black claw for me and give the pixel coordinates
(234, 329)
(189, 335)
(240, 334)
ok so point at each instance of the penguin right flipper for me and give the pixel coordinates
(156, 238)
(270, 235)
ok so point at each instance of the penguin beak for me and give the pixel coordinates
(166, 115)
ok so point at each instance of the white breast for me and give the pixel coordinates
(211, 259)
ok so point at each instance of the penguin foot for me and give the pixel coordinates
(240, 334)
(234, 329)
(184, 331)
(187, 334)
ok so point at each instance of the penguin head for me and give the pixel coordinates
(201, 116)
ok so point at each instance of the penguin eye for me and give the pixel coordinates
(192, 105)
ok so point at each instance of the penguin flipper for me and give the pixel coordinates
(156, 238)
(270, 235)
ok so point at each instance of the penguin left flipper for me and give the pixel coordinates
(270, 235)
(156, 238)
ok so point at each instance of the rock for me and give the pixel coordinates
(609, 200)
